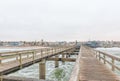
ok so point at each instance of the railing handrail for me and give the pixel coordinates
(109, 55)
(112, 57)
(20, 51)
(29, 52)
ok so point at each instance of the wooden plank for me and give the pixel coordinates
(62, 59)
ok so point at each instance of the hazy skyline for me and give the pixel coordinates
(55, 20)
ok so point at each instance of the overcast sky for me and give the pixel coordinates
(55, 20)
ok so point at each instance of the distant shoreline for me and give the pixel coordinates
(108, 47)
(22, 46)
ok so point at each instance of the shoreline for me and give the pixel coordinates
(23, 46)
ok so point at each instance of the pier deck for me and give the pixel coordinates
(90, 66)
(91, 69)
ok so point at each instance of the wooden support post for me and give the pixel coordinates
(99, 57)
(20, 60)
(96, 53)
(56, 62)
(52, 50)
(55, 50)
(0, 59)
(69, 55)
(104, 59)
(113, 68)
(63, 56)
(41, 53)
(45, 52)
(33, 56)
(48, 51)
(66, 55)
(27, 55)
(1, 78)
(42, 69)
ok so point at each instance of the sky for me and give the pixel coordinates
(59, 20)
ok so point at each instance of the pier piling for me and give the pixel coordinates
(42, 69)
(56, 61)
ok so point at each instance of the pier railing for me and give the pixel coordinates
(19, 56)
(86, 57)
(103, 56)
(107, 58)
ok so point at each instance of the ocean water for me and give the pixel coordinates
(33, 70)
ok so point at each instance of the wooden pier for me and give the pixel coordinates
(90, 64)
(89, 68)
(29, 57)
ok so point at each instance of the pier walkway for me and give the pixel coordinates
(20, 59)
(89, 68)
